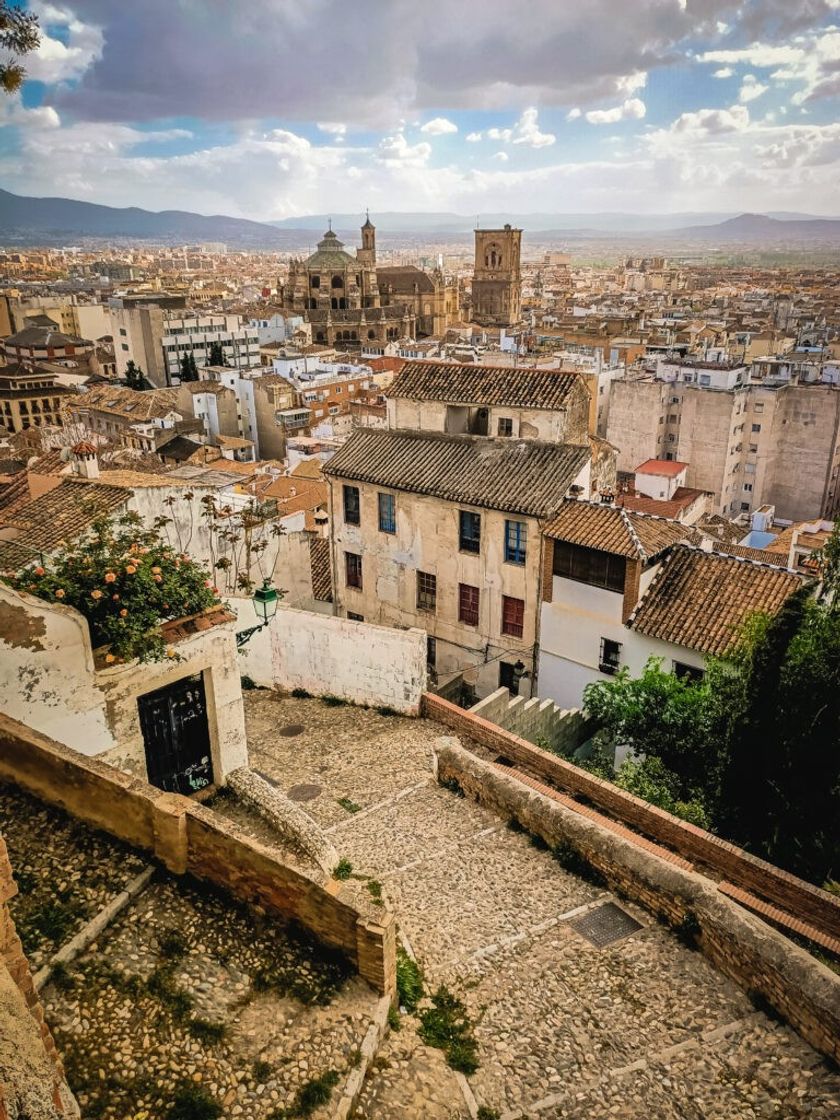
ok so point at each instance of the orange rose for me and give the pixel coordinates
(170, 652)
(59, 594)
(158, 579)
(115, 597)
(156, 571)
(96, 594)
(39, 571)
(123, 613)
(109, 657)
(130, 570)
(110, 577)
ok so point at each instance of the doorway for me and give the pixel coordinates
(176, 736)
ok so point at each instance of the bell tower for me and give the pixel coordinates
(367, 253)
(497, 280)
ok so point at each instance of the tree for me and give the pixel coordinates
(193, 367)
(19, 34)
(188, 368)
(133, 376)
(217, 357)
(125, 580)
(828, 559)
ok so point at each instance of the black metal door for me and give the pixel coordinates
(176, 736)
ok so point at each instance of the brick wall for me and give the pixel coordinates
(34, 1086)
(751, 953)
(186, 837)
(805, 901)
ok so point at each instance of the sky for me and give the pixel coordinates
(276, 108)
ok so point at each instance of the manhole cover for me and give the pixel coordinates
(304, 792)
(605, 924)
(290, 730)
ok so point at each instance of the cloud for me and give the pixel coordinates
(751, 88)
(724, 72)
(473, 137)
(503, 157)
(631, 110)
(525, 131)
(59, 61)
(439, 126)
(332, 128)
(573, 114)
(713, 121)
(396, 149)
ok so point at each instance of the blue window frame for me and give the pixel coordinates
(387, 513)
(516, 538)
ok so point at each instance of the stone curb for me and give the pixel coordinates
(89, 933)
(370, 1045)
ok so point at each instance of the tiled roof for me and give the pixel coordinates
(14, 493)
(62, 514)
(50, 463)
(42, 336)
(129, 403)
(319, 562)
(683, 497)
(14, 556)
(761, 555)
(666, 468)
(611, 529)
(700, 599)
(519, 476)
(484, 385)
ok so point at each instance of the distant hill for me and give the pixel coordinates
(59, 220)
(762, 229)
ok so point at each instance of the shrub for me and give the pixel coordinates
(394, 1019)
(125, 580)
(311, 1095)
(375, 888)
(301, 694)
(409, 980)
(343, 869)
(446, 1026)
(350, 806)
(333, 701)
(193, 1102)
(485, 1113)
(247, 683)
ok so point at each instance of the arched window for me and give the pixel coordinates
(319, 336)
(315, 282)
(338, 281)
(371, 334)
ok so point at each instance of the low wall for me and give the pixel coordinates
(186, 837)
(743, 947)
(805, 901)
(564, 729)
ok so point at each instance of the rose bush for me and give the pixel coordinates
(125, 580)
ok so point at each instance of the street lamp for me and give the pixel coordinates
(265, 601)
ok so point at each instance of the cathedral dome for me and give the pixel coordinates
(329, 256)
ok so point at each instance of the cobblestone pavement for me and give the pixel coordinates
(184, 988)
(63, 883)
(643, 1028)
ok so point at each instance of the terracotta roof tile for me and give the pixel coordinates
(700, 599)
(63, 514)
(517, 475)
(612, 529)
(485, 385)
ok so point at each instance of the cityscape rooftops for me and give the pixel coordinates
(506, 386)
(609, 528)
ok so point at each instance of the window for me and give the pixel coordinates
(505, 427)
(688, 672)
(353, 569)
(387, 513)
(672, 418)
(467, 604)
(753, 448)
(355, 617)
(756, 427)
(589, 565)
(469, 531)
(124, 346)
(748, 486)
(516, 535)
(426, 591)
(745, 506)
(758, 406)
(352, 513)
(610, 658)
(513, 616)
(123, 332)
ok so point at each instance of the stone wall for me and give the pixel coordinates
(31, 1074)
(805, 901)
(359, 662)
(50, 681)
(186, 837)
(753, 954)
(564, 729)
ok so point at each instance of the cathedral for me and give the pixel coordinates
(350, 302)
(497, 281)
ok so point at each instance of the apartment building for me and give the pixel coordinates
(749, 443)
(30, 398)
(435, 520)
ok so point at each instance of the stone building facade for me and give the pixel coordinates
(497, 281)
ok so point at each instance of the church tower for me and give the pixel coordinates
(497, 281)
(366, 256)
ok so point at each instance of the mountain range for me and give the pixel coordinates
(62, 221)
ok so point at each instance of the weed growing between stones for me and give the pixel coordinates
(343, 869)
(447, 1026)
(331, 701)
(62, 977)
(348, 805)
(26, 881)
(207, 1031)
(193, 1102)
(485, 1113)
(172, 945)
(311, 1095)
(354, 1059)
(161, 984)
(301, 694)
(262, 1071)
(375, 889)
(409, 980)
(51, 922)
(394, 1019)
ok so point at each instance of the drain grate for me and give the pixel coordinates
(605, 924)
(290, 730)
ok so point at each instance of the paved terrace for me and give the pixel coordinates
(642, 1028)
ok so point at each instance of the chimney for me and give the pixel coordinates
(85, 462)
